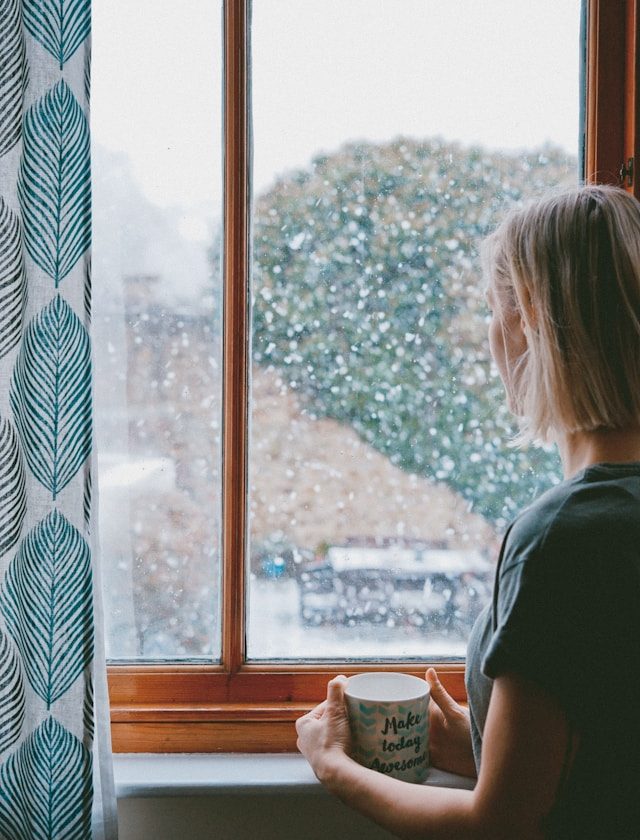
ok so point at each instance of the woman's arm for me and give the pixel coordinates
(524, 747)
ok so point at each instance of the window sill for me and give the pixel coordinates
(151, 775)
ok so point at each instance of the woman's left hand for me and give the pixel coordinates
(323, 733)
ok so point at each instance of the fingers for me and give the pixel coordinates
(435, 715)
(315, 714)
(300, 722)
(333, 703)
(335, 692)
(318, 710)
(439, 693)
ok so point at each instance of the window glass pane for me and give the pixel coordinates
(156, 113)
(389, 136)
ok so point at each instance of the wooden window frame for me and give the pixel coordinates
(247, 707)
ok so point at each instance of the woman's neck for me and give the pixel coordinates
(582, 449)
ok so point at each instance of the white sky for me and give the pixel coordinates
(503, 73)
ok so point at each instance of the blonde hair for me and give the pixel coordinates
(570, 266)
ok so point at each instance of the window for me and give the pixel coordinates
(197, 385)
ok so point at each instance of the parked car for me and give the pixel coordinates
(441, 589)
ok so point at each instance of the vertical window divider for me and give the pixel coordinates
(236, 266)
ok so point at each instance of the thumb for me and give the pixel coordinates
(439, 694)
(335, 693)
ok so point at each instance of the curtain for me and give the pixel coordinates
(55, 763)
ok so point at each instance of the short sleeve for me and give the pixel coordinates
(538, 615)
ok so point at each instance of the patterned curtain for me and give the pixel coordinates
(55, 764)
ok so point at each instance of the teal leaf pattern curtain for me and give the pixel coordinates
(13, 494)
(51, 395)
(56, 779)
(13, 281)
(47, 605)
(13, 73)
(61, 26)
(45, 787)
(12, 699)
(54, 184)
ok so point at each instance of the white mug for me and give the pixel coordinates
(389, 721)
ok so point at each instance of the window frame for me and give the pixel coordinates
(237, 706)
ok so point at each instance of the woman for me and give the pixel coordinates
(553, 726)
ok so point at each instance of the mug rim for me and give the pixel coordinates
(422, 687)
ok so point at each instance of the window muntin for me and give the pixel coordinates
(381, 477)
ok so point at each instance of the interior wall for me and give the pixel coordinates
(257, 817)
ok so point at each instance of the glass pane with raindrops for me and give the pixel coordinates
(389, 138)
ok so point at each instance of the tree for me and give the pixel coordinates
(367, 298)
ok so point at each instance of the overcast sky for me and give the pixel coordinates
(503, 73)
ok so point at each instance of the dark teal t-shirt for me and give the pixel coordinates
(566, 614)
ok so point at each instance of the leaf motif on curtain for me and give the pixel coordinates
(14, 75)
(47, 602)
(87, 76)
(59, 25)
(87, 291)
(51, 395)
(86, 499)
(12, 703)
(13, 282)
(54, 182)
(46, 787)
(13, 497)
(88, 716)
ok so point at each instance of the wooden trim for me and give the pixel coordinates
(613, 91)
(235, 331)
(209, 713)
(606, 76)
(632, 68)
(241, 736)
(176, 686)
(154, 708)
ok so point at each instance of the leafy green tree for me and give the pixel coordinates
(368, 300)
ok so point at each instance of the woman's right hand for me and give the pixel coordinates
(449, 731)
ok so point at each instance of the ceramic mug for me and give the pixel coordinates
(389, 721)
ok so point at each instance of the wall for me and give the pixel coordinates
(237, 796)
(240, 816)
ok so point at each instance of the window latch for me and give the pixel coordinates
(626, 173)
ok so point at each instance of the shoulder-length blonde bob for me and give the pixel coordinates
(570, 265)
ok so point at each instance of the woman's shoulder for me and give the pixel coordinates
(595, 510)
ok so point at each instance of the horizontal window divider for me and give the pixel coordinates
(131, 669)
(292, 668)
(252, 686)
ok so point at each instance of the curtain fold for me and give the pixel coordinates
(55, 760)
